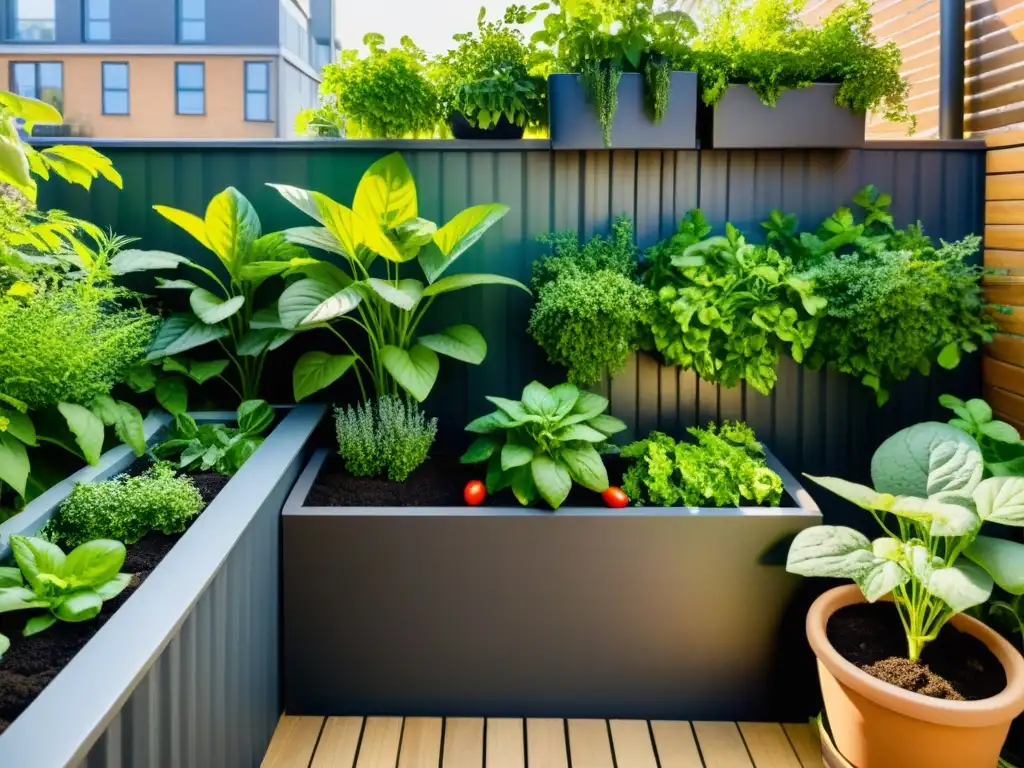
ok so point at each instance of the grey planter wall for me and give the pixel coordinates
(803, 118)
(185, 674)
(574, 125)
(591, 612)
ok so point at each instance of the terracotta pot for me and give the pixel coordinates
(878, 725)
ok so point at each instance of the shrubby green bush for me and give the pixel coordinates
(127, 508)
(386, 435)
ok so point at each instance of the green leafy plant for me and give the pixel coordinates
(387, 94)
(386, 310)
(725, 467)
(218, 447)
(591, 312)
(930, 501)
(541, 444)
(5, 645)
(127, 508)
(725, 307)
(1000, 442)
(896, 303)
(765, 44)
(386, 435)
(226, 315)
(601, 39)
(70, 587)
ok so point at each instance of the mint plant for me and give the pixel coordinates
(224, 449)
(541, 444)
(930, 502)
(70, 587)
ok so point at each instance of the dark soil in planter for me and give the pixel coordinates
(503, 129)
(955, 666)
(32, 662)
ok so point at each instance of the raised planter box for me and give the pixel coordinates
(584, 612)
(804, 118)
(573, 120)
(186, 672)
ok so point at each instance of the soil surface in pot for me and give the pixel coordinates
(955, 666)
(32, 662)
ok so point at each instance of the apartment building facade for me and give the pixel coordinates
(169, 68)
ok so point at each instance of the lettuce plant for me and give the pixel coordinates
(218, 447)
(931, 503)
(386, 310)
(70, 587)
(543, 443)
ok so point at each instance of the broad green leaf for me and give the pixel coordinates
(111, 589)
(861, 495)
(5, 645)
(93, 563)
(175, 284)
(14, 462)
(538, 399)
(587, 407)
(415, 370)
(201, 371)
(1001, 559)
(315, 237)
(1001, 500)
(38, 624)
(479, 450)
(552, 479)
(172, 394)
(513, 408)
(413, 234)
(308, 302)
(887, 549)
(275, 246)
(14, 164)
(523, 486)
(254, 416)
(174, 365)
(191, 223)
(232, 227)
(830, 551)
(19, 425)
(258, 341)
(316, 370)
(212, 309)
(961, 586)
(515, 455)
(10, 576)
(458, 282)
(607, 424)
(927, 459)
(462, 342)
(125, 419)
(405, 295)
(880, 578)
(83, 605)
(261, 270)
(268, 317)
(18, 599)
(1001, 431)
(580, 432)
(386, 195)
(566, 394)
(980, 411)
(455, 237)
(492, 422)
(943, 519)
(36, 557)
(142, 261)
(586, 467)
(30, 110)
(182, 332)
(87, 429)
(949, 357)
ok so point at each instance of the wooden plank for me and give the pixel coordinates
(1012, 322)
(1009, 349)
(721, 745)
(1004, 186)
(338, 743)
(1004, 212)
(293, 742)
(768, 745)
(545, 743)
(505, 743)
(806, 744)
(421, 743)
(589, 745)
(1002, 375)
(1009, 260)
(381, 737)
(463, 742)
(1005, 236)
(1005, 139)
(632, 742)
(1004, 289)
(1004, 160)
(675, 744)
(1006, 405)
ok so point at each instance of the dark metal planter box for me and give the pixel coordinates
(588, 612)
(804, 118)
(185, 674)
(573, 120)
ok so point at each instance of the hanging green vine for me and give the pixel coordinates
(657, 78)
(601, 84)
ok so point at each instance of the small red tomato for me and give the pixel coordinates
(474, 493)
(615, 497)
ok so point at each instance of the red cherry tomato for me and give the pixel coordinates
(615, 497)
(474, 493)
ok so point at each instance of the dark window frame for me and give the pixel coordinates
(126, 90)
(247, 90)
(88, 19)
(181, 20)
(178, 89)
(12, 80)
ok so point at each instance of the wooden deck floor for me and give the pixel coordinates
(465, 742)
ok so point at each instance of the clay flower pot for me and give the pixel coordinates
(878, 725)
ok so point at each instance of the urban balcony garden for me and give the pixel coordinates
(431, 444)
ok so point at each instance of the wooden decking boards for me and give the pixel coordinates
(471, 742)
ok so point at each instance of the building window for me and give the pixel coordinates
(190, 88)
(257, 91)
(97, 20)
(191, 21)
(32, 20)
(43, 80)
(323, 56)
(115, 88)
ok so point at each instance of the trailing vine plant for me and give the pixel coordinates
(657, 78)
(601, 84)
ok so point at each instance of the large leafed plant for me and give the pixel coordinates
(375, 302)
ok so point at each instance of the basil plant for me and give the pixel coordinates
(364, 298)
(540, 445)
(931, 502)
(70, 587)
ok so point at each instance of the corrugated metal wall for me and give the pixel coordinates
(820, 422)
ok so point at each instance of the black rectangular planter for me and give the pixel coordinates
(584, 612)
(573, 120)
(185, 674)
(803, 118)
